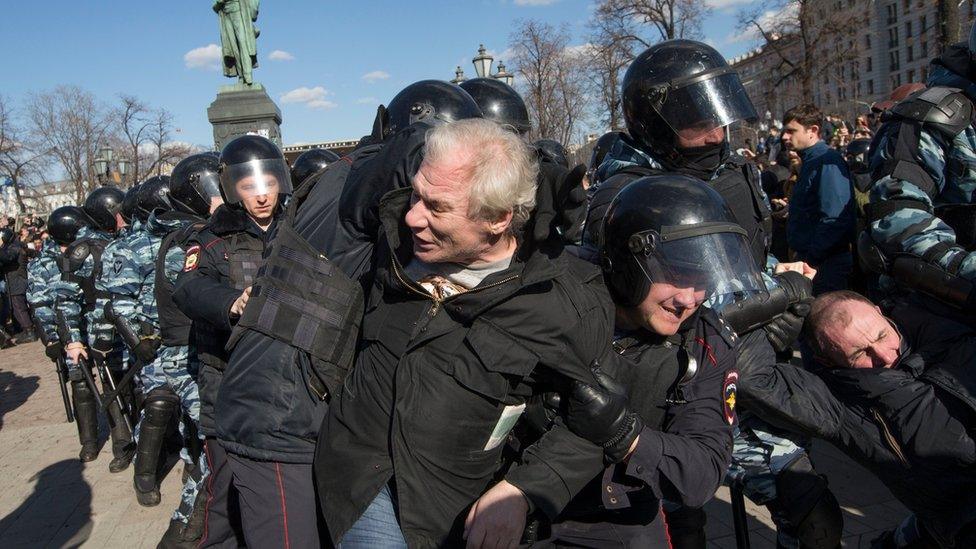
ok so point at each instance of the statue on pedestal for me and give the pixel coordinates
(238, 37)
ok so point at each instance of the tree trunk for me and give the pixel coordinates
(948, 23)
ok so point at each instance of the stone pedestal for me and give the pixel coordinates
(240, 110)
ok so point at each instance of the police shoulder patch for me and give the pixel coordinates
(192, 258)
(728, 395)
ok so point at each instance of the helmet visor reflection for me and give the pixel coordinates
(717, 263)
(701, 105)
(255, 178)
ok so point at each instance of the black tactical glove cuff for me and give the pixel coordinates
(617, 448)
(145, 351)
(797, 286)
(54, 351)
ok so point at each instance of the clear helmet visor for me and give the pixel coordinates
(255, 178)
(704, 102)
(208, 184)
(720, 264)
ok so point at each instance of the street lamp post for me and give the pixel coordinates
(504, 75)
(458, 76)
(482, 62)
(104, 162)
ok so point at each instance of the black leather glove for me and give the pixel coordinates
(783, 331)
(145, 351)
(600, 414)
(54, 351)
(553, 196)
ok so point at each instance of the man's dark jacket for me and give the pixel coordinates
(910, 424)
(13, 263)
(205, 291)
(431, 381)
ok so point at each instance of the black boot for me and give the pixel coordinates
(186, 534)
(26, 336)
(160, 406)
(5, 340)
(86, 417)
(123, 447)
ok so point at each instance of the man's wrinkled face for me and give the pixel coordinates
(666, 307)
(439, 219)
(260, 197)
(798, 137)
(869, 341)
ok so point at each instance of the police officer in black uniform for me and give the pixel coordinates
(221, 263)
(679, 97)
(669, 244)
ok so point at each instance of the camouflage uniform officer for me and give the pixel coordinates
(43, 274)
(75, 295)
(128, 280)
(923, 201)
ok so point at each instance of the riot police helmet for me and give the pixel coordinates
(550, 150)
(64, 223)
(499, 102)
(600, 150)
(429, 100)
(252, 165)
(128, 209)
(311, 162)
(102, 204)
(680, 88)
(674, 229)
(153, 196)
(194, 181)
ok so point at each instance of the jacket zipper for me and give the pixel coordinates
(890, 439)
(437, 303)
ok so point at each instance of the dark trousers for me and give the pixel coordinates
(277, 501)
(21, 311)
(221, 516)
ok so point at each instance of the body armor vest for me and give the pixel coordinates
(174, 326)
(301, 298)
(74, 258)
(740, 185)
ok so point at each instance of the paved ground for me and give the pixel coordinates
(49, 499)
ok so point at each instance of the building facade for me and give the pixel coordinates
(894, 46)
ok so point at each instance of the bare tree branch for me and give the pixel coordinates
(72, 124)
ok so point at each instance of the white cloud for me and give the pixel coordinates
(375, 75)
(313, 98)
(367, 101)
(205, 57)
(281, 55)
(535, 2)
